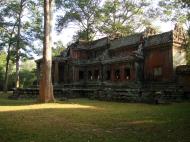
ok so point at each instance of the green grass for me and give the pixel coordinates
(83, 120)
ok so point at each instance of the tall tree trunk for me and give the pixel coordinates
(18, 45)
(7, 70)
(8, 59)
(46, 87)
(51, 2)
(87, 32)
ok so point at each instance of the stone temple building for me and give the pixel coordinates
(120, 66)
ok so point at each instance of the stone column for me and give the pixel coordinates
(85, 73)
(103, 73)
(112, 73)
(139, 71)
(73, 71)
(122, 72)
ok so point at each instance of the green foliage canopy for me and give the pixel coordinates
(108, 17)
(123, 17)
(58, 48)
(84, 13)
(31, 26)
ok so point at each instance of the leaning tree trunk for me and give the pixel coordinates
(7, 68)
(18, 46)
(46, 87)
(6, 73)
(8, 60)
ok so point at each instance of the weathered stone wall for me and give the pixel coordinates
(183, 78)
(122, 52)
(149, 92)
(158, 58)
(179, 56)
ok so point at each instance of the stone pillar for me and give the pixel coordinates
(56, 73)
(85, 73)
(101, 74)
(139, 71)
(122, 72)
(74, 78)
(112, 73)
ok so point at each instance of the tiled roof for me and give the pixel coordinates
(125, 41)
(159, 39)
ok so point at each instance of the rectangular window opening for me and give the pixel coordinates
(89, 75)
(117, 74)
(96, 74)
(127, 74)
(157, 71)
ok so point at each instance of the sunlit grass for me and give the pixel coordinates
(84, 120)
(44, 106)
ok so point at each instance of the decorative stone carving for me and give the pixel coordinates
(139, 52)
(179, 33)
(149, 32)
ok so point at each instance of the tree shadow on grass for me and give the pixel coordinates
(74, 123)
(18, 102)
(75, 120)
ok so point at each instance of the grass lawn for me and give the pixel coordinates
(82, 120)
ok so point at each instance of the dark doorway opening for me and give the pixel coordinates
(96, 74)
(81, 75)
(89, 75)
(61, 72)
(117, 74)
(108, 75)
(127, 74)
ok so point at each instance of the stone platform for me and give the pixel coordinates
(149, 92)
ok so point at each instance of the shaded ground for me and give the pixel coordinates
(83, 120)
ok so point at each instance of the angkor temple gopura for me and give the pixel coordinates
(123, 68)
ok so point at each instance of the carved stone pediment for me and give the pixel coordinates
(149, 32)
(179, 34)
